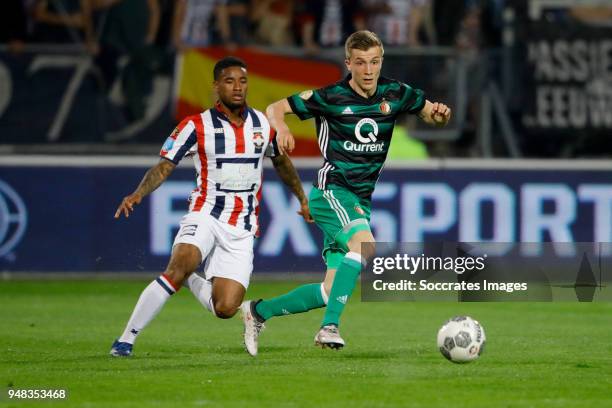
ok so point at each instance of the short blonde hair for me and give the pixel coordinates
(362, 40)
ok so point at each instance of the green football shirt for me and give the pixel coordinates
(354, 133)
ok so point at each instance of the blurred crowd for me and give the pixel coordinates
(312, 24)
(130, 40)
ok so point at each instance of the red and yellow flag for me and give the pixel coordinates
(271, 77)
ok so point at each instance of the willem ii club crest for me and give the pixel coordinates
(384, 107)
(258, 139)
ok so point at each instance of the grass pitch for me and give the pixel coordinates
(56, 335)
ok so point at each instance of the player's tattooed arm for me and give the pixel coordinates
(435, 114)
(287, 173)
(151, 180)
(155, 177)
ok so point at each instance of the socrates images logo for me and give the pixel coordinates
(13, 219)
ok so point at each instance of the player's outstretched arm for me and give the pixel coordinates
(151, 180)
(276, 116)
(435, 114)
(286, 171)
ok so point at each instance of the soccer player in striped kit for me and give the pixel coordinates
(228, 143)
(354, 119)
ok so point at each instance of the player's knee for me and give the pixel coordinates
(183, 262)
(367, 249)
(177, 275)
(225, 309)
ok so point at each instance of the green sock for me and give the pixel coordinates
(299, 300)
(344, 284)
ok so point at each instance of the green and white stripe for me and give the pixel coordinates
(337, 207)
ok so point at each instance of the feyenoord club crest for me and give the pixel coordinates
(384, 107)
(258, 140)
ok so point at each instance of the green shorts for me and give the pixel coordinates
(339, 214)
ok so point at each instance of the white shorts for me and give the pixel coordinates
(228, 250)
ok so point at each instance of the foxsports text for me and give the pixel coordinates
(70, 205)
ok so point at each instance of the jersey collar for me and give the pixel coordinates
(222, 110)
(348, 85)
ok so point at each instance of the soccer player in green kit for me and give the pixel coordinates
(354, 119)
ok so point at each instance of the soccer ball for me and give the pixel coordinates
(461, 339)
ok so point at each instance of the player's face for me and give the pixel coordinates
(232, 87)
(365, 68)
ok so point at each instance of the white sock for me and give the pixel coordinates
(148, 306)
(202, 290)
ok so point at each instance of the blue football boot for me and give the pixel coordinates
(121, 349)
